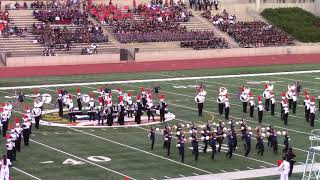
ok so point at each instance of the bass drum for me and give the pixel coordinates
(85, 98)
(46, 98)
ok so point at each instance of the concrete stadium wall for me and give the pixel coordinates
(218, 53)
(62, 60)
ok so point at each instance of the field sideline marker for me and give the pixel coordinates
(161, 80)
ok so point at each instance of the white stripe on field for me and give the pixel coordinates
(34, 177)
(63, 152)
(161, 80)
(146, 152)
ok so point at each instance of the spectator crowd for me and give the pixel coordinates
(250, 34)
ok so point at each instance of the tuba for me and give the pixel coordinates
(46, 98)
(244, 97)
(85, 98)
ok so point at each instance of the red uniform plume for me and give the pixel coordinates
(26, 108)
(10, 126)
(120, 98)
(59, 91)
(284, 94)
(70, 96)
(266, 85)
(36, 91)
(305, 93)
(138, 97)
(129, 94)
(161, 96)
(8, 136)
(100, 89)
(91, 94)
(16, 120)
(312, 99)
(78, 90)
(3, 104)
(142, 89)
(259, 98)
(250, 94)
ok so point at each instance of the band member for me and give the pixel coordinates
(130, 107)
(149, 109)
(259, 145)
(282, 104)
(18, 131)
(234, 134)
(260, 109)
(5, 164)
(307, 107)
(230, 144)
(220, 101)
(64, 92)
(138, 110)
(244, 97)
(152, 136)
(248, 143)
(312, 111)
(243, 128)
(36, 114)
(273, 103)
(274, 142)
(167, 136)
(91, 111)
(285, 114)
(162, 108)
(220, 135)
(269, 135)
(107, 90)
(19, 99)
(180, 145)
(29, 117)
(156, 89)
(60, 103)
(109, 112)
(200, 98)
(26, 130)
(226, 107)
(9, 147)
(143, 98)
(121, 112)
(285, 142)
(14, 138)
(267, 97)
(195, 145)
(294, 102)
(79, 99)
(4, 120)
(290, 156)
(205, 136)
(100, 113)
(213, 140)
(251, 104)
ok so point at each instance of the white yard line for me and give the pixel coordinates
(77, 157)
(160, 80)
(30, 175)
(146, 152)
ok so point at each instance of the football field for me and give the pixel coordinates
(108, 153)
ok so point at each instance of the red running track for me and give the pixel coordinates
(14, 72)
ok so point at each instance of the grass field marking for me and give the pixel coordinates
(249, 168)
(257, 160)
(30, 175)
(222, 170)
(160, 80)
(167, 177)
(87, 161)
(236, 169)
(146, 152)
(181, 175)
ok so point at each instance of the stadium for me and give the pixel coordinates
(159, 89)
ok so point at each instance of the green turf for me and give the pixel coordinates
(129, 148)
(301, 24)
